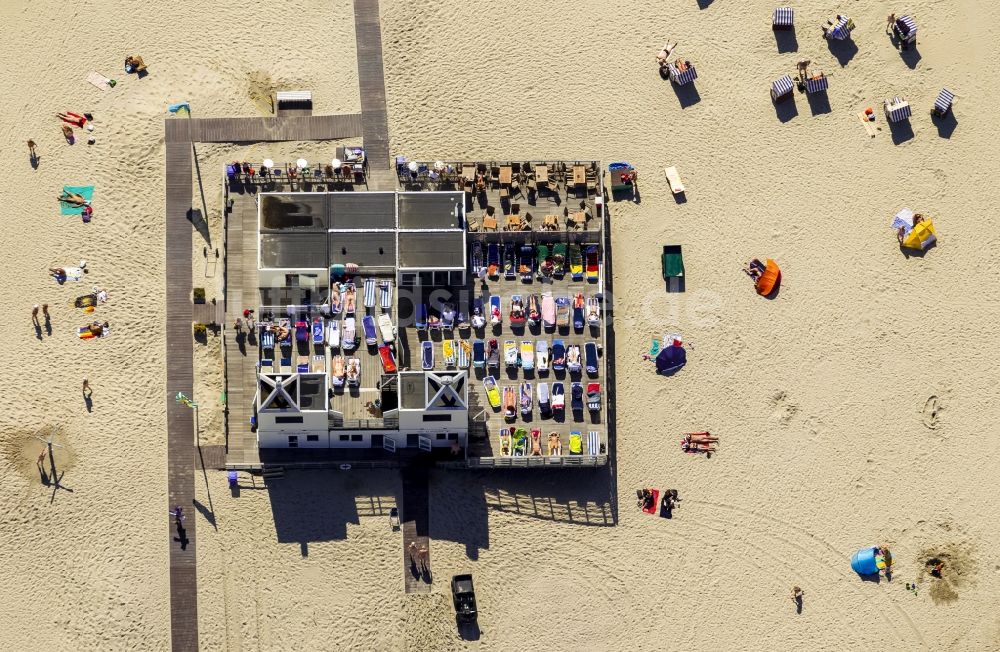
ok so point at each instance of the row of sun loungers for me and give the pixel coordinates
(520, 400)
(551, 312)
(517, 442)
(344, 299)
(525, 262)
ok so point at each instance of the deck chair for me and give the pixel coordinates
(674, 179)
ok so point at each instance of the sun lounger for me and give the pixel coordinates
(369, 293)
(593, 311)
(479, 354)
(594, 397)
(285, 365)
(509, 262)
(493, 260)
(353, 371)
(576, 397)
(510, 353)
(505, 449)
(478, 318)
(495, 315)
(534, 312)
(527, 355)
(476, 259)
(287, 326)
(674, 179)
(301, 332)
(548, 311)
(578, 307)
(573, 358)
(544, 402)
(385, 328)
(385, 295)
(336, 299)
(526, 264)
(266, 366)
(317, 330)
(388, 359)
(302, 364)
(536, 442)
(350, 299)
(543, 261)
(368, 325)
(594, 443)
(575, 443)
(448, 316)
(542, 355)
(350, 337)
(575, 262)
(509, 403)
(554, 444)
(590, 355)
(558, 397)
(492, 391)
(448, 347)
(942, 105)
(420, 316)
(493, 354)
(562, 312)
(525, 400)
(464, 350)
(337, 372)
(427, 356)
(267, 340)
(317, 363)
(559, 257)
(520, 442)
(593, 264)
(333, 333)
(558, 355)
(517, 316)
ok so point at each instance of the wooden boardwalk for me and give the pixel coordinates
(415, 523)
(180, 420)
(371, 80)
(249, 130)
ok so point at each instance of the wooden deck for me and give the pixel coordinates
(371, 80)
(415, 523)
(249, 130)
(180, 420)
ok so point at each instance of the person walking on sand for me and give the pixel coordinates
(178, 514)
(34, 315)
(41, 457)
(32, 153)
(45, 311)
(87, 390)
(797, 595)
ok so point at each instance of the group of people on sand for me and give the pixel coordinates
(70, 120)
(699, 442)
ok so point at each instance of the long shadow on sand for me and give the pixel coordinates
(843, 51)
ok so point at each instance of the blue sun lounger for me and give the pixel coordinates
(590, 358)
(427, 356)
(420, 320)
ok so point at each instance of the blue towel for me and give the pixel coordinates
(87, 192)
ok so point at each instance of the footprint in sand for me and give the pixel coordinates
(784, 409)
(929, 415)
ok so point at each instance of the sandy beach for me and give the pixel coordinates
(856, 408)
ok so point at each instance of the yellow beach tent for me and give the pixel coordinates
(921, 236)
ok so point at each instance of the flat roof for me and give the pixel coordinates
(362, 210)
(294, 250)
(432, 249)
(293, 212)
(411, 390)
(424, 210)
(367, 249)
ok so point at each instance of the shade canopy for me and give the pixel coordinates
(335, 163)
(769, 278)
(268, 163)
(302, 163)
(670, 360)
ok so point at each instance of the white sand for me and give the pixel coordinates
(819, 396)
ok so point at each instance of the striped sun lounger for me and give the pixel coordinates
(369, 293)
(385, 295)
(784, 18)
(593, 443)
(781, 87)
(897, 110)
(943, 102)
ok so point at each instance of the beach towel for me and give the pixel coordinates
(84, 333)
(179, 107)
(87, 192)
(99, 80)
(73, 273)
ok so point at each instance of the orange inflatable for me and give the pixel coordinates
(769, 278)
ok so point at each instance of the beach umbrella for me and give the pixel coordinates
(412, 166)
(670, 360)
(439, 165)
(335, 163)
(302, 163)
(769, 278)
(268, 163)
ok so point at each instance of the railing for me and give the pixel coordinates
(387, 423)
(565, 461)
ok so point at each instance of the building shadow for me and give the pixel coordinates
(786, 109)
(687, 94)
(785, 40)
(317, 505)
(946, 126)
(842, 51)
(819, 103)
(901, 131)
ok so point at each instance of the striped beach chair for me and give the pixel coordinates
(905, 29)
(369, 293)
(897, 110)
(817, 83)
(781, 88)
(681, 77)
(839, 28)
(385, 295)
(784, 18)
(943, 103)
(594, 443)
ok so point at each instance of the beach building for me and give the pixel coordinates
(371, 317)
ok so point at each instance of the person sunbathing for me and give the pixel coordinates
(693, 447)
(97, 328)
(700, 437)
(72, 198)
(74, 119)
(282, 333)
(555, 445)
